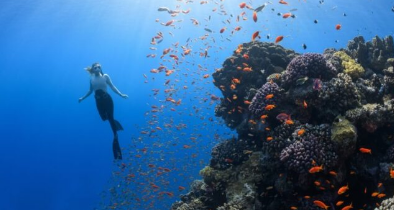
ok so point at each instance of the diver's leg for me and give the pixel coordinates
(110, 113)
(115, 125)
(101, 108)
(116, 148)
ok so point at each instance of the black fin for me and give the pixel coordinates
(118, 126)
(116, 149)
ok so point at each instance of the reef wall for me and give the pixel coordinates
(314, 130)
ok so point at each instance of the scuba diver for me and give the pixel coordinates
(104, 103)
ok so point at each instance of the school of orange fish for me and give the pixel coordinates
(181, 113)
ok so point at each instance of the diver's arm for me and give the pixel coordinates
(112, 86)
(87, 94)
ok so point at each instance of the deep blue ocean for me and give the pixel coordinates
(56, 153)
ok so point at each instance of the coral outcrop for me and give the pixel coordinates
(313, 129)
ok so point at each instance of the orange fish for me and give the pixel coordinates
(255, 34)
(247, 69)
(374, 194)
(391, 173)
(286, 15)
(301, 132)
(168, 23)
(283, 2)
(347, 207)
(269, 96)
(180, 188)
(278, 39)
(304, 104)
(269, 107)
(206, 76)
(338, 26)
(222, 30)
(320, 204)
(264, 116)
(316, 169)
(381, 195)
(365, 150)
(255, 16)
(333, 173)
(269, 138)
(339, 203)
(343, 189)
(247, 102)
(242, 5)
(289, 122)
(246, 56)
(237, 28)
(293, 208)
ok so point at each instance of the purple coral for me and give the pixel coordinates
(313, 65)
(259, 101)
(300, 155)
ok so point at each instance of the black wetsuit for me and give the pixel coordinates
(105, 107)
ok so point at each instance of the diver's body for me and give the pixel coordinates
(104, 103)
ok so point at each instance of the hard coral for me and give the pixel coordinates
(350, 66)
(300, 155)
(338, 95)
(313, 65)
(259, 102)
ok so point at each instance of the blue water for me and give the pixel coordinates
(56, 153)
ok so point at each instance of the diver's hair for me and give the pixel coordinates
(90, 68)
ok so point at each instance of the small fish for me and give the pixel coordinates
(315, 21)
(222, 30)
(269, 107)
(163, 9)
(320, 204)
(316, 169)
(269, 96)
(269, 138)
(304, 104)
(260, 8)
(283, 2)
(255, 16)
(278, 39)
(339, 203)
(302, 80)
(338, 26)
(343, 189)
(304, 46)
(286, 15)
(254, 35)
(365, 150)
(301, 132)
(348, 207)
(208, 30)
(268, 36)
(242, 5)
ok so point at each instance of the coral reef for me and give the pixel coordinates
(349, 65)
(260, 101)
(263, 59)
(313, 129)
(312, 65)
(373, 54)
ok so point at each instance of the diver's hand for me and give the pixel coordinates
(80, 99)
(124, 95)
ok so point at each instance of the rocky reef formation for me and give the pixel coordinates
(314, 130)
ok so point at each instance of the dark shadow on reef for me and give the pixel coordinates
(314, 130)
